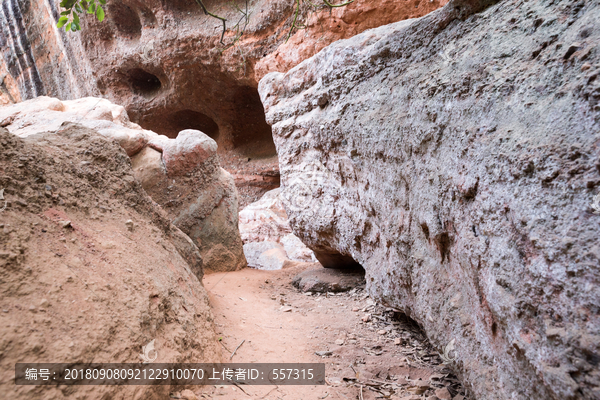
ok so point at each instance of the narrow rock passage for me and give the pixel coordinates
(365, 344)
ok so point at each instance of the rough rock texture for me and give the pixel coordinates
(146, 55)
(264, 220)
(296, 250)
(182, 174)
(36, 58)
(96, 288)
(254, 250)
(162, 60)
(455, 157)
(323, 280)
(264, 225)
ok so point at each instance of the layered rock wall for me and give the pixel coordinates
(37, 58)
(456, 157)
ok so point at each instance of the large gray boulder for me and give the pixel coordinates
(456, 158)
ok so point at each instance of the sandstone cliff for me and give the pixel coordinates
(456, 158)
(162, 59)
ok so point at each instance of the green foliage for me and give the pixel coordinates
(69, 18)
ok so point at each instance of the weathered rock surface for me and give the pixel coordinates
(36, 58)
(456, 158)
(264, 220)
(144, 56)
(264, 226)
(254, 250)
(91, 269)
(296, 250)
(182, 174)
(323, 280)
(161, 60)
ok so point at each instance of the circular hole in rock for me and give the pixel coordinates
(125, 19)
(144, 83)
(171, 124)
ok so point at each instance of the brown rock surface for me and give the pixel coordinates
(181, 174)
(37, 59)
(325, 27)
(457, 160)
(92, 269)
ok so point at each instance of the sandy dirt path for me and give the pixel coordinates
(277, 323)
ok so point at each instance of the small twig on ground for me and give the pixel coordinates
(267, 327)
(270, 391)
(239, 387)
(384, 383)
(236, 349)
(361, 396)
(224, 346)
(340, 394)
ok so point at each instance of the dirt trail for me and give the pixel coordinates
(369, 347)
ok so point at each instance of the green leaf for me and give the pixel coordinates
(100, 14)
(103, 2)
(78, 8)
(68, 27)
(61, 22)
(76, 19)
(91, 9)
(65, 12)
(68, 4)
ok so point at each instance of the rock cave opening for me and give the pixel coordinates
(171, 124)
(330, 258)
(144, 83)
(252, 136)
(125, 19)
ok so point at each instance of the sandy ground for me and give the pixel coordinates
(373, 353)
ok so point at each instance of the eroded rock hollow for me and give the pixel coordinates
(163, 62)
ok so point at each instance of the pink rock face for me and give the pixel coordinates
(139, 277)
(187, 152)
(265, 222)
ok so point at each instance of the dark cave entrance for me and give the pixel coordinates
(171, 124)
(125, 20)
(330, 258)
(251, 135)
(144, 83)
(236, 122)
